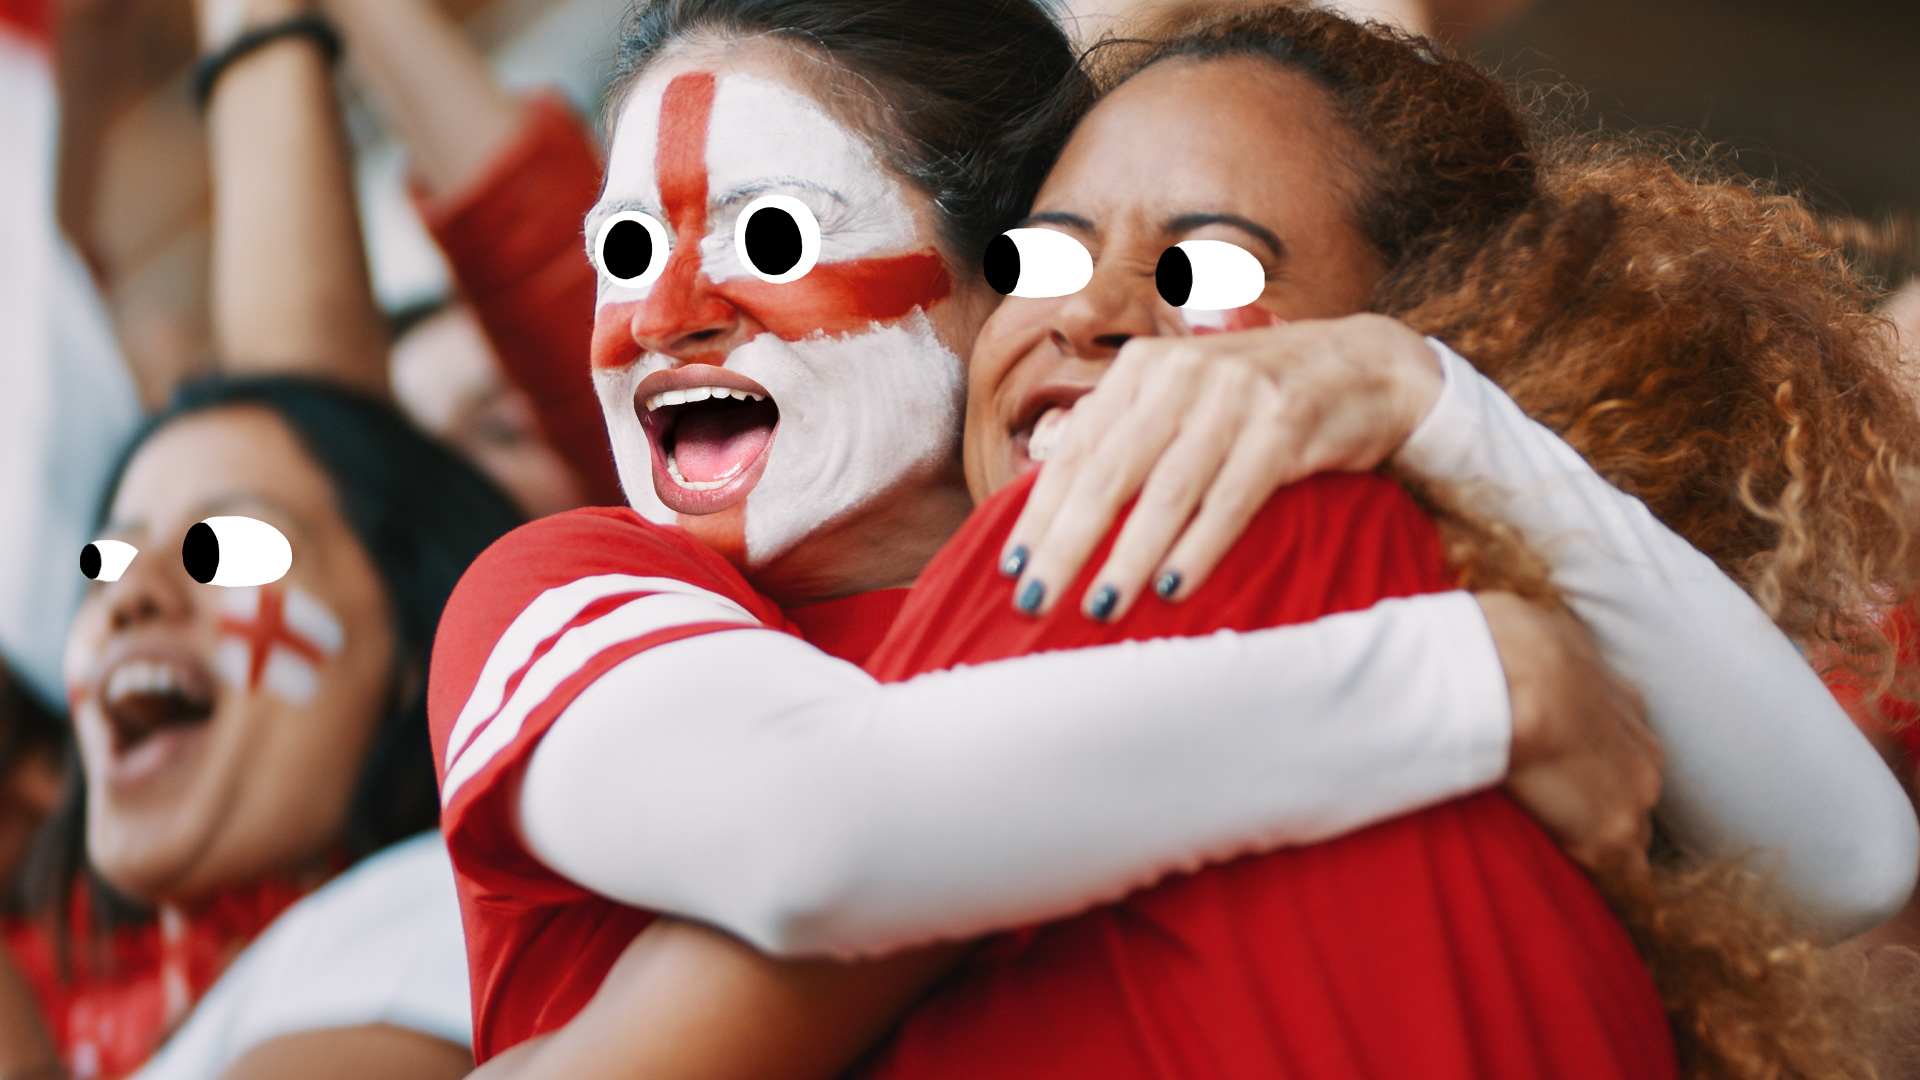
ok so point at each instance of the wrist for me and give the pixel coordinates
(1513, 622)
(1418, 377)
(222, 21)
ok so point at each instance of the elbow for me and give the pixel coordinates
(798, 902)
(1876, 879)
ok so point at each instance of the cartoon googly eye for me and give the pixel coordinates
(1037, 263)
(777, 238)
(631, 249)
(1209, 275)
(106, 560)
(235, 551)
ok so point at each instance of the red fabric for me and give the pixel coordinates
(112, 1016)
(1894, 717)
(513, 240)
(34, 18)
(539, 945)
(1449, 944)
(851, 627)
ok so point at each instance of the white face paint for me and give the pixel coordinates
(276, 639)
(866, 390)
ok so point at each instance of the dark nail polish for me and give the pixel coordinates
(1030, 597)
(1015, 561)
(1168, 584)
(1103, 602)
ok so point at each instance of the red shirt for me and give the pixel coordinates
(539, 945)
(513, 240)
(32, 18)
(1456, 943)
(109, 1009)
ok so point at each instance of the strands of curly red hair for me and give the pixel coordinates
(1708, 348)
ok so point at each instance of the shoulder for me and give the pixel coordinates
(380, 944)
(588, 542)
(560, 572)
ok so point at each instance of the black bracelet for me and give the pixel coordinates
(312, 25)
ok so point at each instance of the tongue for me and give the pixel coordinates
(717, 442)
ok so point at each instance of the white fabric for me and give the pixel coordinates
(381, 944)
(782, 794)
(1761, 761)
(67, 405)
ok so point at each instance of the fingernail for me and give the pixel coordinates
(1015, 561)
(1167, 584)
(1030, 597)
(1103, 602)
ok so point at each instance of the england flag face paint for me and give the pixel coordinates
(762, 347)
(276, 639)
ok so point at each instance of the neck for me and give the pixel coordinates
(883, 544)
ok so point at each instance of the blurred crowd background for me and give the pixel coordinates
(1820, 95)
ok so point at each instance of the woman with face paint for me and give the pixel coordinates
(550, 631)
(246, 866)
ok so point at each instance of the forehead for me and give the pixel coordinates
(765, 127)
(1235, 134)
(222, 453)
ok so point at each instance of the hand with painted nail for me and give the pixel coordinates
(1584, 761)
(1201, 430)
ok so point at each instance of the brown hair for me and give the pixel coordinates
(952, 79)
(1706, 346)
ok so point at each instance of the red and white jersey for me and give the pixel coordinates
(537, 618)
(1455, 942)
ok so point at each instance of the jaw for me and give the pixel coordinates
(883, 543)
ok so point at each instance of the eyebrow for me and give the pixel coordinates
(774, 183)
(1187, 223)
(1071, 221)
(620, 206)
(223, 506)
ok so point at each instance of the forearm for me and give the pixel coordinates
(1760, 758)
(434, 86)
(814, 812)
(688, 1001)
(291, 290)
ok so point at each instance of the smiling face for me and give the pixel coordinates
(1232, 150)
(222, 729)
(804, 426)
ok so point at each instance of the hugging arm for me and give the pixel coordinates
(789, 798)
(1761, 760)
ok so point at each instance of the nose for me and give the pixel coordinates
(685, 316)
(153, 589)
(1116, 306)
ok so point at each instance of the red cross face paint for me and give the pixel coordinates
(745, 398)
(276, 639)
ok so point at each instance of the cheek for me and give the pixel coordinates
(1251, 317)
(278, 639)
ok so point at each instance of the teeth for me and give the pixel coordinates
(673, 470)
(700, 393)
(1047, 432)
(142, 677)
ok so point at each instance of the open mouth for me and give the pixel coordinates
(710, 430)
(152, 704)
(1042, 424)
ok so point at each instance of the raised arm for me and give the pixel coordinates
(503, 184)
(291, 291)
